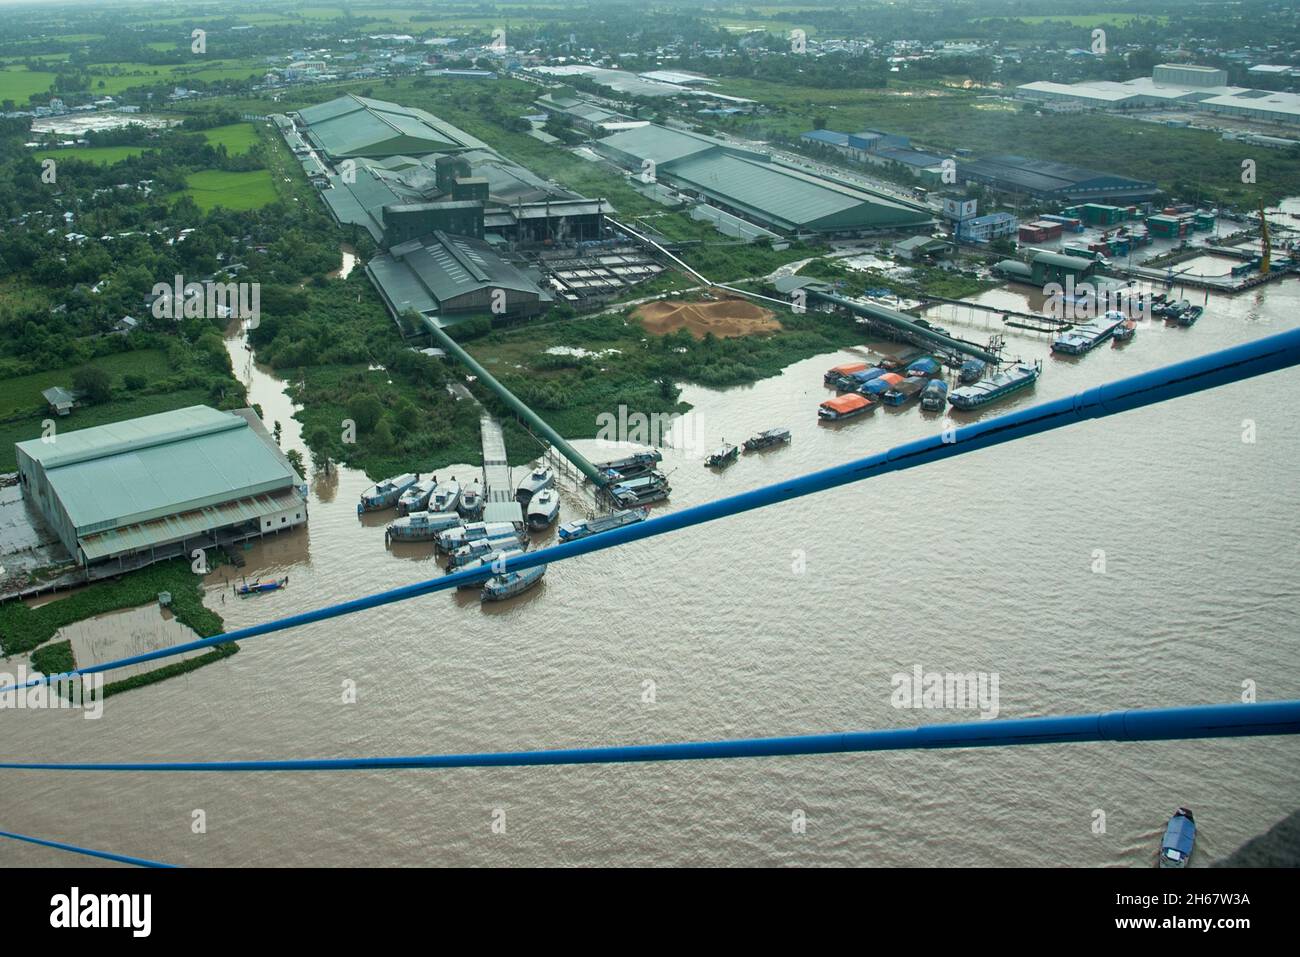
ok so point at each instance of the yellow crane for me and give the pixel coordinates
(1266, 247)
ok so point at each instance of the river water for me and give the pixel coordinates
(786, 621)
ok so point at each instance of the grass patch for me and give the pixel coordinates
(115, 410)
(236, 138)
(18, 83)
(103, 155)
(23, 394)
(212, 188)
(23, 628)
(54, 659)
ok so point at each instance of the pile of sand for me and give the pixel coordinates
(724, 318)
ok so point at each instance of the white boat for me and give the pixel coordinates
(416, 498)
(446, 496)
(453, 538)
(484, 546)
(535, 481)
(471, 502)
(501, 587)
(421, 526)
(483, 562)
(544, 509)
(384, 494)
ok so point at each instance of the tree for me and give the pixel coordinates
(383, 435)
(93, 383)
(366, 411)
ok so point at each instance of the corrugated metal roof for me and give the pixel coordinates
(145, 468)
(785, 196)
(175, 528)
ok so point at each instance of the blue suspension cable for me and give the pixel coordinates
(1261, 356)
(1156, 724)
(106, 855)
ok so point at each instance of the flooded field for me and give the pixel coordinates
(793, 619)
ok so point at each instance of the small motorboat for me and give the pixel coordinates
(723, 456)
(543, 509)
(972, 370)
(1180, 837)
(535, 481)
(501, 587)
(471, 502)
(446, 497)
(1126, 331)
(462, 556)
(416, 498)
(767, 439)
(258, 587)
(1189, 316)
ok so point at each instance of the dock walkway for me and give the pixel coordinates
(499, 503)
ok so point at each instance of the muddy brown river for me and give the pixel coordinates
(788, 620)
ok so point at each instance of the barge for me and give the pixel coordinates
(767, 439)
(1022, 375)
(631, 466)
(583, 527)
(1088, 336)
(934, 396)
(723, 456)
(836, 373)
(903, 392)
(844, 407)
(642, 490)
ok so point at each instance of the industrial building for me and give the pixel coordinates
(1059, 182)
(447, 279)
(394, 167)
(125, 495)
(751, 185)
(882, 149)
(1173, 86)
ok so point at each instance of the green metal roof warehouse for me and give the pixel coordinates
(749, 183)
(156, 486)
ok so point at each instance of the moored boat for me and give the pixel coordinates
(1126, 332)
(466, 553)
(880, 385)
(483, 564)
(501, 587)
(535, 481)
(836, 373)
(446, 497)
(767, 439)
(421, 526)
(642, 490)
(416, 498)
(1189, 316)
(543, 509)
(471, 502)
(583, 527)
(844, 407)
(1086, 337)
(260, 587)
(459, 535)
(630, 466)
(904, 391)
(972, 370)
(1180, 837)
(385, 494)
(723, 456)
(934, 396)
(1022, 375)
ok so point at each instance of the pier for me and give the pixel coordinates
(499, 503)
